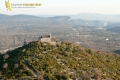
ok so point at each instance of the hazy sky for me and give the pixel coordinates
(63, 7)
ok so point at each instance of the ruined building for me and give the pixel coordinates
(47, 38)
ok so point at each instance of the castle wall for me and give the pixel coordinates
(52, 43)
(45, 40)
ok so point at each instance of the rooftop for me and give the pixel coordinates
(45, 36)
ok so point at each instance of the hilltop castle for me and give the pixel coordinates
(47, 38)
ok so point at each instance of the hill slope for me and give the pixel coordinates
(115, 29)
(63, 61)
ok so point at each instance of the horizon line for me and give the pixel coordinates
(58, 14)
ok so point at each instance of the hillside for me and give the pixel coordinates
(63, 61)
(115, 29)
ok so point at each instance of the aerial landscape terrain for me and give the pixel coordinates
(59, 40)
(94, 34)
(85, 48)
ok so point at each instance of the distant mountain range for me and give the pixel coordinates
(93, 16)
(57, 20)
(84, 16)
(84, 20)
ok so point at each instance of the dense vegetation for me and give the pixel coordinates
(61, 61)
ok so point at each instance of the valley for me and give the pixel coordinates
(16, 29)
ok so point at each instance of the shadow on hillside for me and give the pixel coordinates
(117, 51)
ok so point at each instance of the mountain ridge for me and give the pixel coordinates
(96, 16)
